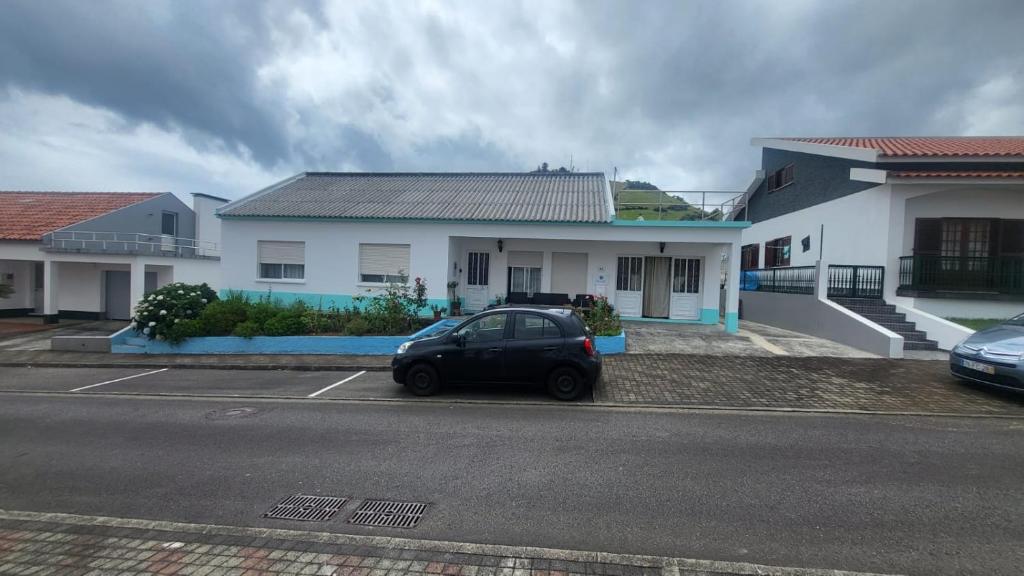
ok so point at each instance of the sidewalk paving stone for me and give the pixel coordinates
(106, 550)
(855, 384)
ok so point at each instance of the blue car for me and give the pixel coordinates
(994, 356)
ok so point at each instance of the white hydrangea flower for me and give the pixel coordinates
(176, 320)
(204, 300)
(181, 291)
(151, 324)
(163, 312)
(145, 331)
(159, 297)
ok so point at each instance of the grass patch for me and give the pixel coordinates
(977, 323)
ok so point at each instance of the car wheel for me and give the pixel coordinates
(423, 380)
(565, 383)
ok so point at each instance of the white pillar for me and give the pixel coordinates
(732, 288)
(546, 271)
(138, 282)
(51, 287)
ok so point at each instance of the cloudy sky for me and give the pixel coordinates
(226, 97)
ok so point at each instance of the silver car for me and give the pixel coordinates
(994, 356)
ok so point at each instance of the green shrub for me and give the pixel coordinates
(247, 329)
(221, 317)
(286, 323)
(602, 319)
(183, 329)
(357, 326)
(172, 304)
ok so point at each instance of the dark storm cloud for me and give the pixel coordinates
(668, 90)
(188, 64)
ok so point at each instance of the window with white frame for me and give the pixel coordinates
(281, 260)
(383, 263)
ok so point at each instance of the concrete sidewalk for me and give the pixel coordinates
(32, 543)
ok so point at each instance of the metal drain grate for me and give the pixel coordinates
(306, 508)
(388, 514)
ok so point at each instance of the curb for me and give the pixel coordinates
(670, 566)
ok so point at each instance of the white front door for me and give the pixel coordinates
(478, 271)
(629, 294)
(685, 303)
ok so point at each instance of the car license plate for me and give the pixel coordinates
(978, 366)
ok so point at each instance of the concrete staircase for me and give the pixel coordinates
(876, 310)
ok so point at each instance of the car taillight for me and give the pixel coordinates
(588, 346)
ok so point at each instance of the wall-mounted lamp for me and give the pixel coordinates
(501, 244)
(661, 247)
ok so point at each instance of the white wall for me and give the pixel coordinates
(913, 201)
(856, 230)
(332, 251)
(937, 201)
(208, 227)
(22, 284)
(80, 275)
(602, 259)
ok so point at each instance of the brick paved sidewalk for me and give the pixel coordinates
(80, 546)
(856, 384)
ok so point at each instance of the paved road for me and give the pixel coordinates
(888, 494)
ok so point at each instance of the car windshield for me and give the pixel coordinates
(1016, 321)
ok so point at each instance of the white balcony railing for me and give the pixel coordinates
(674, 205)
(129, 243)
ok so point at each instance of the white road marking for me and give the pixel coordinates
(319, 392)
(118, 380)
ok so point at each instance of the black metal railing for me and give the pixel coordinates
(787, 280)
(999, 274)
(846, 281)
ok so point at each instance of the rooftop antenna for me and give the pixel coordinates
(571, 168)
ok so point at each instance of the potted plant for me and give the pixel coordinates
(455, 304)
(437, 310)
(498, 300)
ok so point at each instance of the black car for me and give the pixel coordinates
(508, 344)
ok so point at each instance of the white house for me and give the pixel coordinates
(328, 237)
(93, 255)
(909, 231)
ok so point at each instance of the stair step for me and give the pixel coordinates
(870, 308)
(912, 335)
(926, 345)
(883, 316)
(897, 326)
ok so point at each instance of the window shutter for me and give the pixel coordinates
(928, 236)
(1011, 238)
(281, 252)
(385, 259)
(526, 259)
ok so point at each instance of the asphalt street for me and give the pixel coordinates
(917, 495)
(348, 385)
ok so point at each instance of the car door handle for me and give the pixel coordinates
(494, 349)
(550, 348)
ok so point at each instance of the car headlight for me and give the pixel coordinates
(403, 347)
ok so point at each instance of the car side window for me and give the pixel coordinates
(490, 328)
(532, 327)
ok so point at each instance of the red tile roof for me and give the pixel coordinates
(957, 173)
(930, 146)
(29, 215)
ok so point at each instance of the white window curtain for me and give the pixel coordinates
(383, 262)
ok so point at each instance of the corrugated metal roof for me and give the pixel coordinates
(525, 197)
(930, 145)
